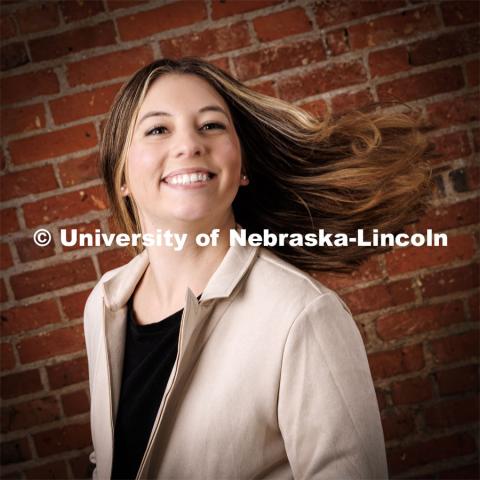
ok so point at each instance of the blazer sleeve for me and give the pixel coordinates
(91, 326)
(327, 408)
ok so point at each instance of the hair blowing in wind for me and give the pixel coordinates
(364, 169)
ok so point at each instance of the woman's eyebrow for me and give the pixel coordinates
(213, 108)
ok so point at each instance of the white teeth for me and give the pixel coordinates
(186, 179)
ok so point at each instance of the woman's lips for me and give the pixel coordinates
(199, 183)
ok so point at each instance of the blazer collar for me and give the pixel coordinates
(120, 286)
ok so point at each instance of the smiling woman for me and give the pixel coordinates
(230, 361)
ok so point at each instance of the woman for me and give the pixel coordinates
(228, 361)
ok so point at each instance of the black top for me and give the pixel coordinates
(150, 352)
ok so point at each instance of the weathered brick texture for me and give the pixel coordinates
(417, 308)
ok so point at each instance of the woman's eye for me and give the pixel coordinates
(215, 125)
(153, 130)
(222, 127)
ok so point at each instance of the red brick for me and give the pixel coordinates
(444, 47)
(267, 88)
(7, 358)
(407, 259)
(465, 179)
(457, 12)
(3, 291)
(345, 102)
(420, 320)
(28, 85)
(81, 228)
(13, 55)
(75, 403)
(369, 270)
(81, 466)
(8, 221)
(111, 259)
(67, 373)
(422, 85)
(5, 256)
(381, 398)
(106, 67)
(221, 9)
(20, 383)
(53, 144)
(450, 216)
(63, 439)
(476, 139)
(321, 80)
(452, 412)
(473, 72)
(36, 18)
(79, 170)
(447, 113)
(15, 451)
(456, 347)
(7, 27)
(74, 11)
(48, 471)
(317, 108)
(393, 362)
(281, 24)
(473, 305)
(74, 304)
(64, 206)
(412, 391)
(117, 4)
(379, 296)
(449, 281)
(400, 25)
(457, 380)
(25, 182)
(388, 61)
(402, 458)
(333, 13)
(337, 42)
(397, 424)
(29, 251)
(29, 317)
(223, 64)
(278, 58)
(452, 146)
(84, 104)
(207, 42)
(27, 414)
(22, 119)
(168, 17)
(72, 41)
(52, 343)
(52, 278)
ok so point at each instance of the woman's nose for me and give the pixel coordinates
(189, 146)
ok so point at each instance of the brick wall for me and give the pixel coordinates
(62, 63)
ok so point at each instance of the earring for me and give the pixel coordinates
(244, 177)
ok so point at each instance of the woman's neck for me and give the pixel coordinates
(171, 271)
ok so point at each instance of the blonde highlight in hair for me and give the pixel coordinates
(364, 169)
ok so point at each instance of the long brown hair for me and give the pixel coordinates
(364, 169)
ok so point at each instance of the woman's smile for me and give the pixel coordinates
(189, 181)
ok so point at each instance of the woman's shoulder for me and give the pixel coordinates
(282, 280)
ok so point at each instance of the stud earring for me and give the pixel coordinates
(244, 177)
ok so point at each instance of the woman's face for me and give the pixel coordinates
(184, 163)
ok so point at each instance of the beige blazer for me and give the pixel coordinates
(271, 379)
